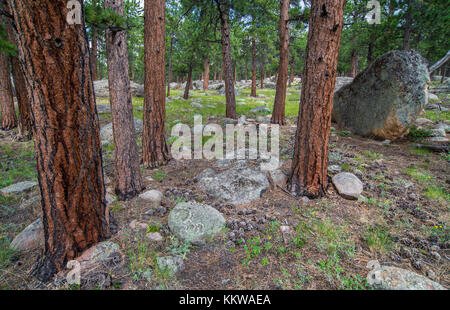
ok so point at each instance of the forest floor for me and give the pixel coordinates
(403, 220)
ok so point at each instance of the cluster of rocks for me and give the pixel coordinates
(106, 132)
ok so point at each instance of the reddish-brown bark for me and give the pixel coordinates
(283, 69)
(9, 119)
(188, 84)
(309, 166)
(54, 57)
(19, 84)
(224, 12)
(354, 63)
(154, 146)
(128, 182)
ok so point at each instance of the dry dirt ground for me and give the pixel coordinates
(403, 221)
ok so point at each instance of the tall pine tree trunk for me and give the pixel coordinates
(9, 119)
(224, 10)
(54, 57)
(283, 69)
(291, 74)
(94, 52)
(206, 76)
(128, 182)
(263, 71)
(19, 84)
(309, 166)
(188, 83)
(154, 146)
(253, 94)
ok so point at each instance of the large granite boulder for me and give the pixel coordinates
(101, 88)
(30, 238)
(385, 99)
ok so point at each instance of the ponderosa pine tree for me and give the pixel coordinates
(154, 146)
(8, 114)
(253, 93)
(283, 69)
(224, 14)
(310, 162)
(128, 181)
(19, 83)
(54, 57)
(207, 73)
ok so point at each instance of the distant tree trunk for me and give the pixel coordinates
(188, 83)
(9, 120)
(206, 76)
(66, 131)
(354, 63)
(253, 94)
(154, 146)
(131, 66)
(283, 69)
(291, 74)
(94, 52)
(19, 83)
(408, 25)
(128, 182)
(170, 76)
(263, 72)
(309, 166)
(224, 10)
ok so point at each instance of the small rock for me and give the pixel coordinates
(155, 237)
(153, 196)
(348, 185)
(305, 199)
(285, 229)
(30, 238)
(334, 169)
(172, 263)
(18, 187)
(436, 255)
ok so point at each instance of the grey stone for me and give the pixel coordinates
(393, 278)
(385, 99)
(278, 177)
(433, 97)
(423, 121)
(30, 238)
(196, 105)
(348, 185)
(263, 119)
(155, 237)
(437, 139)
(438, 132)
(18, 187)
(103, 109)
(239, 184)
(173, 264)
(334, 169)
(261, 109)
(154, 196)
(106, 132)
(195, 223)
(101, 89)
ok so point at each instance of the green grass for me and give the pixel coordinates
(17, 164)
(421, 152)
(5, 252)
(437, 193)
(378, 239)
(438, 116)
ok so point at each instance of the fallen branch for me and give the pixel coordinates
(435, 148)
(440, 63)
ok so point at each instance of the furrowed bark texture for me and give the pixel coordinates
(154, 147)
(128, 181)
(253, 93)
(9, 119)
(227, 60)
(309, 166)
(19, 84)
(283, 69)
(54, 57)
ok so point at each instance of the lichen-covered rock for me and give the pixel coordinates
(238, 184)
(173, 264)
(195, 223)
(30, 238)
(393, 278)
(18, 187)
(385, 99)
